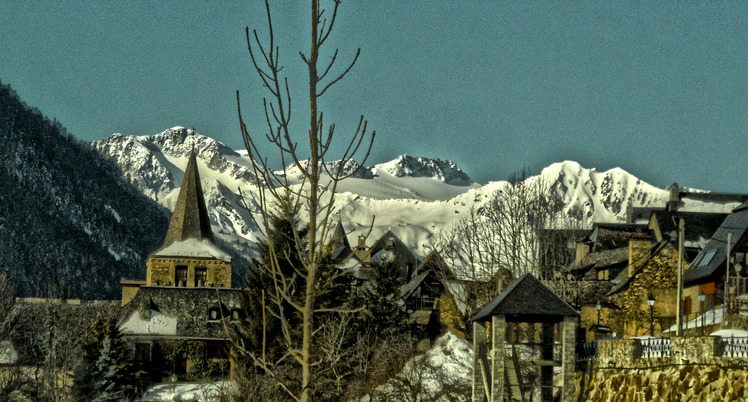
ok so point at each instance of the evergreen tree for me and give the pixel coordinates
(109, 373)
(262, 313)
(105, 373)
(334, 290)
(384, 310)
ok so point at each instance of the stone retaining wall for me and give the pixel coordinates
(695, 371)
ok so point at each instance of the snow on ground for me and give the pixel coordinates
(711, 317)
(201, 392)
(447, 365)
(727, 333)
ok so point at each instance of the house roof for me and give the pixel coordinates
(602, 259)
(607, 236)
(190, 218)
(527, 299)
(176, 312)
(193, 248)
(624, 279)
(699, 226)
(714, 254)
(407, 289)
(389, 248)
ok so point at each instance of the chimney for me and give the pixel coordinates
(673, 202)
(582, 250)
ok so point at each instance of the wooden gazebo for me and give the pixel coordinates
(530, 301)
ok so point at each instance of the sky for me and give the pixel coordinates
(659, 89)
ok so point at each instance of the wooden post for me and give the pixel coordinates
(480, 364)
(546, 372)
(498, 329)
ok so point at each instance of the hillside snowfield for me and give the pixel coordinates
(414, 197)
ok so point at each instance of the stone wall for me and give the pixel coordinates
(655, 275)
(695, 371)
(162, 271)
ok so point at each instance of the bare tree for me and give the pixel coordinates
(316, 195)
(513, 233)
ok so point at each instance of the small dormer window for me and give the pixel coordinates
(235, 315)
(214, 314)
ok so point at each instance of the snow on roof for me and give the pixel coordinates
(158, 324)
(193, 248)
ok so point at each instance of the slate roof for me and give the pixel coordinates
(402, 256)
(190, 218)
(623, 279)
(341, 248)
(602, 259)
(190, 307)
(641, 214)
(607, 236)
(714, 254)
(697, 224)
(527, 299)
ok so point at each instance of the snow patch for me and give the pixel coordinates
(203, 392)
(158, 324)
(194, 248)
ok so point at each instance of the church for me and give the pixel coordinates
(174, 319)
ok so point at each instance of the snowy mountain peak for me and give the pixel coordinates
(604, 196)
(409, 166)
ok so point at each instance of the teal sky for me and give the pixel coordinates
(657, 88)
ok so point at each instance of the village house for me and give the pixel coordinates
(615, 258)
(708, 272)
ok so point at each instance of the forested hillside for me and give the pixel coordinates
(70, 226)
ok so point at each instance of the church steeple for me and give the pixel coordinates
(190, 218)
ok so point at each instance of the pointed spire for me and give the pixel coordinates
(339, 239)
(190, 218)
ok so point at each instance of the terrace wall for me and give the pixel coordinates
(693, 368)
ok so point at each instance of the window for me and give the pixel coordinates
(143, 352)
(201, 276)
(707, 257)
(235, 315)
(213, 314)
(180, 275)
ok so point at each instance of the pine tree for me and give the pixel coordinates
(110, 373)
(105, 372)
(384, 310)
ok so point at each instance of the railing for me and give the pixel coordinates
(734, 346)
(586, 351)
(421, 303)
(654, 347)
(740, 285)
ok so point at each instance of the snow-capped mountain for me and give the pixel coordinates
(413, 197)
(409, 166)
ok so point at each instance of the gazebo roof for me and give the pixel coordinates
(527, 300)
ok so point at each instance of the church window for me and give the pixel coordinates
(201, 276)
(180, 276)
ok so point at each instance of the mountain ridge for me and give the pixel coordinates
(415, 197)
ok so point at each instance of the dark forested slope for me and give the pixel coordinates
(70, 226)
